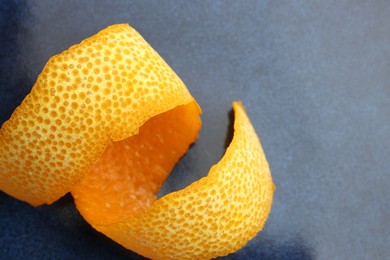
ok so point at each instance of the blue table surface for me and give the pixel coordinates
(314, 77)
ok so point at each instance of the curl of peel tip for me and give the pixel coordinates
(214, 216)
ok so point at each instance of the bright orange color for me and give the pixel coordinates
(107, 120)
(124, 181)
(104, 88)
(212, 217)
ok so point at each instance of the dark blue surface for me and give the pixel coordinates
(314, 77)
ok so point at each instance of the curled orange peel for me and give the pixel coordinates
(107, 120)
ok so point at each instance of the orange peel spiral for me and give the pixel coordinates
(107, 120)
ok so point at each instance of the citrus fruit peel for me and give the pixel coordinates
(107, 120)
(103, 89)
(212, 217)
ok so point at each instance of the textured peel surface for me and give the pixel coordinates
(125, 179)
(107, 119)
(102, 89)
(212, 217)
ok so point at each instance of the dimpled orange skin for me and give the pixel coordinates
(212, 217)
(125, 179)
(108, 119)
(102, 89)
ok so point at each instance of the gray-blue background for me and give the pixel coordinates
(313, 75)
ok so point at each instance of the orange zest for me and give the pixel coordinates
(212, 217)
(102, 89)
(107, 120)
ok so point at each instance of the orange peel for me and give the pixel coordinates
(107, 120)
(212, 217)
(102, 89)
